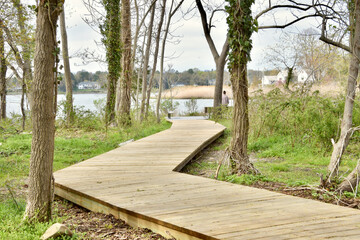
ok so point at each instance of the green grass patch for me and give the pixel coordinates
(71, 146)
(13, 227)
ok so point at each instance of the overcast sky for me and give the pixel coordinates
(191, 52)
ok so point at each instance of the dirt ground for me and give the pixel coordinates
(90, 225)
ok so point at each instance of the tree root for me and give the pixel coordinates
(241, 164)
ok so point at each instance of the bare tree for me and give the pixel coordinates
(314, 55)
(40, 192)
(19, 39)
(126, 71)
(174, 7)
(156, 53)
(284, 55)
(146, 62)
(220, 59)
(3, 69)
(67, 73)
(347, 128)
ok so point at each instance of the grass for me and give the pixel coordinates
(13, 227)
(281, 159)
(71, 146)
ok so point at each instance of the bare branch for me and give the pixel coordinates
(288, 24)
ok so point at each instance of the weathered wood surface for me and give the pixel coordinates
(136, 182)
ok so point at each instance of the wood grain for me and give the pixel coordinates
(136, 183)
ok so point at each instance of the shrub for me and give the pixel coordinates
(306, 118)
(191, 106)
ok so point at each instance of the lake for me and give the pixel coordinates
(87, 101)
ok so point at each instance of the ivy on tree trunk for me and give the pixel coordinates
(3, 69)
(241, 26)
(111, 39)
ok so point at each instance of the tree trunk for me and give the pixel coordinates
(22, 102)
(351, 182)
(138, 79)
(240, 38)
(40, 194)
(156, 53)
(111, 33)
(146, 62)
(3, 69)
(67, 74)
(172, 11)
(220, 66)
(26, 66)
(162, 56)
(220, 60)
(240, 122)
(288, 77)
(126, 73)
(346, 125)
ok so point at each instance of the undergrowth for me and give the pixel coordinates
(290, 137)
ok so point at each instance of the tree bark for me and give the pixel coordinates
(138, 79)
(162, 56)
(67, 73)
(111, 33)
(156, 53)
(3, 69)
(40, 194)
(126, 72)
(220, 60)
(240, 37)
(26, 58)
(346, 125)
(146, 62)
(351, 182)
(240, 122)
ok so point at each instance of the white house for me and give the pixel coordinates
(300, 76)
(304, 76)
(268, 80)
(88, 85)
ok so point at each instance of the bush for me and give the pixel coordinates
(191, 106)
(83, 118)
(168, 105)
(306, 118)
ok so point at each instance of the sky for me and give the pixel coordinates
(191, 52)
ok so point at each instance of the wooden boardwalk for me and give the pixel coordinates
(136, 183)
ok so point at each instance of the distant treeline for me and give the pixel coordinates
(191, 76)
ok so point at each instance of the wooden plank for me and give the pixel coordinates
(135, 183)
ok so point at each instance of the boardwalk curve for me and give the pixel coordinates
(138, 183)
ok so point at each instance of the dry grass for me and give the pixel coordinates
(187, 92)
(331, 89)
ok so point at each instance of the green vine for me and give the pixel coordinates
(111, 32)
(241, 26)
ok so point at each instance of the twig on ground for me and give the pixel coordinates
(225, 155)
(12, 195)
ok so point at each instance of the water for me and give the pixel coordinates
(87, 101)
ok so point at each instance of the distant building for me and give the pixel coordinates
(300, 76)
(211, 81)
(268, 80)
(88, 85)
